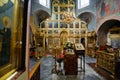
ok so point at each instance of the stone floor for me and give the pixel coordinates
(47, 64)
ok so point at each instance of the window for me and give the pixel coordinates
(82, 3)
(45, 3)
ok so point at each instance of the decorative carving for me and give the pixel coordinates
(71, 2)
(55, 1)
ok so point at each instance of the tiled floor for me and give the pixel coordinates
(89, 74)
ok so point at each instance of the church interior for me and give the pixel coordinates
(59, 39)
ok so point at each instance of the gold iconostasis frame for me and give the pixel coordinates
(56, 32)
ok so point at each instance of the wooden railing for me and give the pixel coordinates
(35, 72)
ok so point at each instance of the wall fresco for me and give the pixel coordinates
(6, 13)
(106, 8)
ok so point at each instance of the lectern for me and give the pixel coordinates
(80, 53)
(70, 59)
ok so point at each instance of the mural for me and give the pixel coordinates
(107, 7)
(5, 37)
(6, 13)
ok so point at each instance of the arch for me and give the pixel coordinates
(89, 11)
(89, 18)
(41, 15)
(104, 28)
(106, 19)
(86, 16)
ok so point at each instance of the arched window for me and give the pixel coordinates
(83, 3)
(45, 3)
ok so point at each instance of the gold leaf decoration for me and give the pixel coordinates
(6, 21)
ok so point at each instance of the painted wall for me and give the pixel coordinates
(8, 12)
(92, 24)
(106, 10)
(35, 6)
(92, 9)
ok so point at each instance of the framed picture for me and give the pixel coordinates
(76, 40)
(77, 32)
(66, 1)
(56, 41)
(49, 31)
(55, 31)
(56, 9)
(82, 31)
(50, 42)
(76, 25)
(71, 40)
(55, 24)
(39, 40)
(63, 9)
(71, 9)
(61, 16)
(12, 59)
(63, 25)
(55, 16)
(71, 31)
(79, 46)
(49, 25)
(83, 25)
(71, 25)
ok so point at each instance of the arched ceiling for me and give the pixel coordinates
(41, 15)
(109, 24)
(86, 16)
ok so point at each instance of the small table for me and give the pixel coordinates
(80, 52)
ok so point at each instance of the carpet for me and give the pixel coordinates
(100, 71)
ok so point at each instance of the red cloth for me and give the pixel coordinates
(33, 53)
(62, 54)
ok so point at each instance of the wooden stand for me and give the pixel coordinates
(70, 64)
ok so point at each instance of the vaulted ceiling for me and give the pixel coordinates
(109, 24)
(41, 15)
